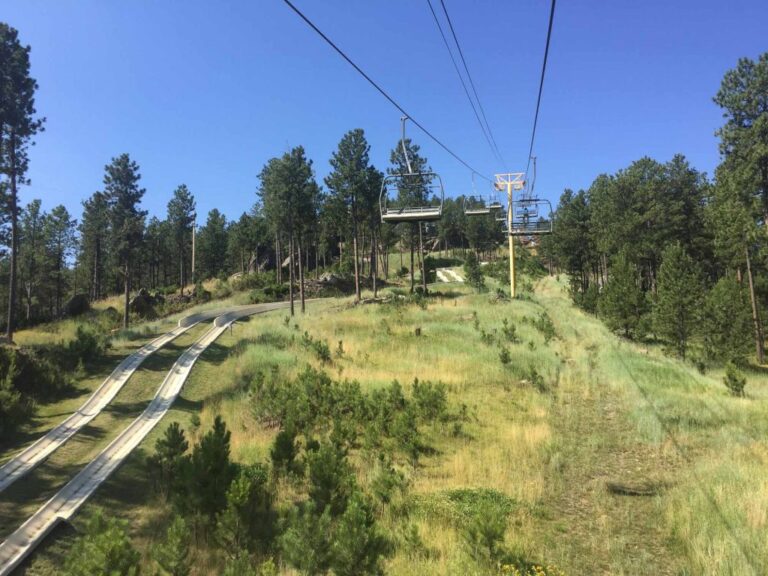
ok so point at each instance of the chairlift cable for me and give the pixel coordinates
(494, 150)
(541, 83)
(380, 89)
(471, 83)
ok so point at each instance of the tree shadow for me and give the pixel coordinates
(54, 550)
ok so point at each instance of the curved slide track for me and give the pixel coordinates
(66, 502)
(33, 455)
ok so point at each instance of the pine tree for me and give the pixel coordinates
(727, 322)
(172, 555)
(473, 272)
(123, 195)
(212, 245)
(330, 478)
(622, 303)
(289, 194)
(103, 550)
(413, 191)
(209, 473)
(248, 516)
(18, 125)
(94, 247)
(348, 182)
(358, 545)
(167, 462)
(677, 309)
(32, 255)
(307, 539)
(60, 245)
(181, 218)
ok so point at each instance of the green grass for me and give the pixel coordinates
(22, 498)
(610, 418)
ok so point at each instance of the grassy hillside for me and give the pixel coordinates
(605, 457)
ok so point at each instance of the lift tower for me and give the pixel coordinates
(528, 217)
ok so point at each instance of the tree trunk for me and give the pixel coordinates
(421, 261)
(412, 278)
(12, 276)
(355, 257)
(278, 260)
(301, 279)
(290, 272)
(127, 292)
(374, 263)
(96, 289)
(759, 349)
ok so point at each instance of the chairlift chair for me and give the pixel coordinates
(430, 182)
(526, 218)
(479, 207)
(475, 205)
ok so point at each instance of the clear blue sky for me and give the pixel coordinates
(203, 93)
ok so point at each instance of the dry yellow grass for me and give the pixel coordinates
(614, 413)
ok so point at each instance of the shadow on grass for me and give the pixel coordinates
(22, 498)
(51, 554)
(186, 405)
(127, 409)
(445, 294)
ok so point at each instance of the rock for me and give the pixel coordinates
(141, 304)
(77, 305)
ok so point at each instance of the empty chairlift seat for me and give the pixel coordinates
(474, 206)
(399, 194)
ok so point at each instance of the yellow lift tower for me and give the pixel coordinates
(528, 217)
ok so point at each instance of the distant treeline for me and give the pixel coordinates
(291, 226)
(661, 250)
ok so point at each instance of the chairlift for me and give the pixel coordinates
(428, 182)
(531, 217)
(475, 205)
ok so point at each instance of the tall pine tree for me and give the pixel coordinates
(123, 196)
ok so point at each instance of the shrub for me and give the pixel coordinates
(430, 269)
(322, 351)
(172, 555)
(201, 294)
(504, 356)
(165, 465)
(734, 380)
(473, 272)
(431, 399)
(43, 374)
(331, 480)
(510, 332)
(222, 290)
(387, 480)
(240, 565)
(13, 408)
(86, 347)
(248, 517)
(306, 539)
(535, 379)
(484, 533)
(104, 548)
(358, 545)
(208, 473)
(283, 451)
(543, 324)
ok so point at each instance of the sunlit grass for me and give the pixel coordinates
(612, 413)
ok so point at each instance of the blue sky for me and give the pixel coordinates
(203, 93)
